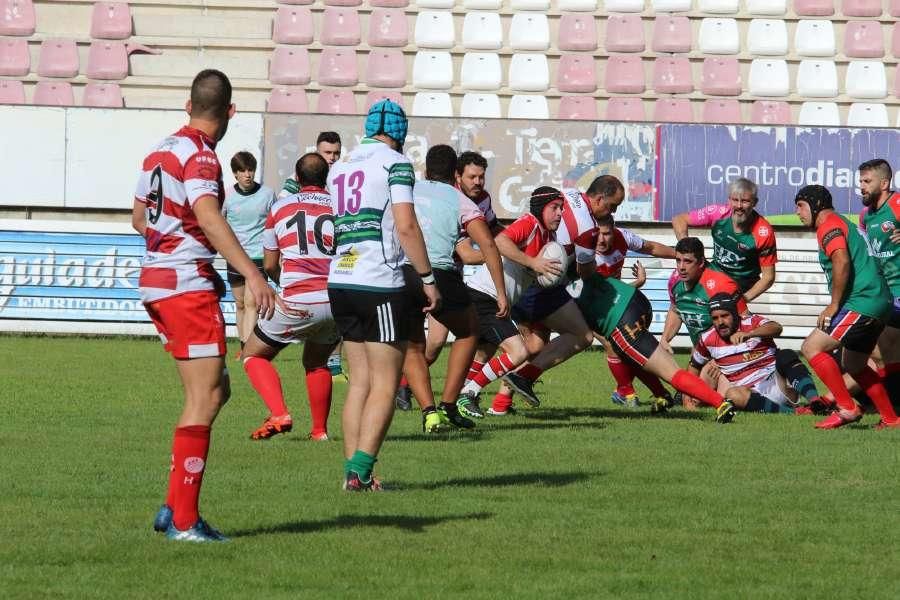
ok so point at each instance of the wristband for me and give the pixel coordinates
(427, 278)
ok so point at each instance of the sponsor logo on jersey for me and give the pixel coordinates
(887, 226)
(763, 230)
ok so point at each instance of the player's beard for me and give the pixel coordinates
(871, 199)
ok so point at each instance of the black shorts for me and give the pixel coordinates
(235, 278)
(537, 303)
(855, 331)
(894, 319)
(363, 316)
(491, 330)
(632, 338)
(454, 293)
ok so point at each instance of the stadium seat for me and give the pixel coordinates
(529, 31)
(625, 109)
(578, 107)
(866, 79)
(11, 92)
(107, 60)
(576, 73)
(529, 4)
(343, 2)
(770, 112)
(722, 110)
(111, 21)
(718, 7)
(817, 79)
(338, 66)
(289, 66)
(624, 75)
(767, 7)
(624, 6)
(814, 8)
(624, 33)
(481, 31)
(719, 36)
(293, 25)
(720, 77)
(59, 58)
(481, 71)
(336, 102)
(288, 100)
(861, 8)
(897, 82)
(390, 3)
(670, 6)
(297, 2)
(529, 73)
(768, 77)
(434, 29)
(340, 27)
(386, 68)
(480, 106)
(102, 95)
(863, 39)
(15, 59)
(379, 95)
(767, 37)
(814, 38)
(388, 28)
(672, 75)
(441, 4)
(577, 33)
(671, 34)
(895, 40)
(17, 17)
(482, 4)
(433, 71)
(673, 110)
(862, 114)
(431, 104)
(528, 107)
(577, 5)
(53, 93)
(895, 8)
(819, 113)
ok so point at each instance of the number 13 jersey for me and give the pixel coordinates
(363, 186)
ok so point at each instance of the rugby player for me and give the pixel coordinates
(328, 145)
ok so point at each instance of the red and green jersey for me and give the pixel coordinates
(878, 225)
(603, 301)
(866, 292)
(692, 304)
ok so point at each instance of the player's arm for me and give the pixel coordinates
(468, 254)
(766, 279)
(139, 217)
(656, 249)
(272, 264)
(670, 329)
(680, 225)
(639, 274)
(586, 254)
(840, 278)
(766, 329)
(479, 232)
(538, 264)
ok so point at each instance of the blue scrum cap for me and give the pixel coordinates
(388, 118)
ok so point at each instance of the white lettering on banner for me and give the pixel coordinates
(108, 272)
(824, 173)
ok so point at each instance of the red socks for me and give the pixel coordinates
(622, 373)
(494, 369)
(267, 384)
(318, 388)
(529, 371)
(688, 383)
(501, 402)
(830, 373)
(189, 451)
(474, 369)
(869, 381)
(403, 381)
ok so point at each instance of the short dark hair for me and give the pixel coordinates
(330, 137)
(470, 158)
(311, 169)
(691, 245)
(210, 94)
(879, 165)
(606, 221)
(440, 161)
(606, 186)
(243, 161)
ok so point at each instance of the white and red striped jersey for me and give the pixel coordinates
(301, 228)
(610, 263)
(578, 230)
(180, 170)
(742, 364)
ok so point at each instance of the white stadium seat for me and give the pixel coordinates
(814, 37)
(481, 31)
(623, 6)
(767, 37)
(529, 4)
(862, 114)
(529, 31)
(434, 29)
(528, 107)
(481, 71)
(577, 5)
(719, 36)
(433, 71)
(767, 7)
(482, 4)
(819, 113)
(480, 106)
(529, 73)
(718, 7)
(432, 104)
(769, 77)
(817, 79)
(866, 79)
(669, 6)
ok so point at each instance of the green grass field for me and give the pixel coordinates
(574, 499)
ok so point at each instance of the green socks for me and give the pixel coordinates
(361, 464)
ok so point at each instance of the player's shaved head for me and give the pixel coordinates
(440, 164)
(607, 186)
(880, 166)
(210, 95)
(311, 169)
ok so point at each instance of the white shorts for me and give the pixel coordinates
(769, 388)
(315, 325)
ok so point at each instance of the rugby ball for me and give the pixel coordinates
(553, 251)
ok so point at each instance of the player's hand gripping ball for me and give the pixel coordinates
(553, 251)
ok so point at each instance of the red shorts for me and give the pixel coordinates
(190, 325)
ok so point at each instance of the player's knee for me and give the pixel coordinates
(785, 360)
(807, 349)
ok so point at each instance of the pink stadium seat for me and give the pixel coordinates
(721, 77)
(576, 73)
(625, 109)
(111, 21)
(861, 8)
(814, 8)
(624, 33)
(895, 8)
(337, 66)
(673, 110)
(11, 92)
(386, 68)
(293, 25)
(16, 17)
(389, 3)
(672, 75)
(672, 33)
(103, 95)
(624, 75)
(578, 107)
(722, 110)
(343, 2)
(15, 60)
(289, 100)
(340, 27)
(289, 66)
(295, 1)
(895, 40)
(577, 32)
(388, 27)
(107, 60)
(59, 58)
(863, 39)
(379, 95)
(53, 93)
(336, 102)
(897, 82)
(770, 112)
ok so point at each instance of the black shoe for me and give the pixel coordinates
(468, 405)
(524, 387)
(403, 398)
(451, 413)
